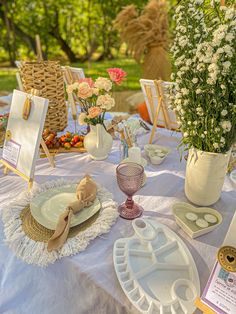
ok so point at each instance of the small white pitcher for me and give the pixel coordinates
(98, 142)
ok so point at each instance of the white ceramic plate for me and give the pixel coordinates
(49, 205)
(156, 270)
(143, 161)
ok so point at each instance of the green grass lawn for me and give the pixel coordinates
(7, 80)
(91, 69)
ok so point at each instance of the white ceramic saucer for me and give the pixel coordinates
(49, 205)
(143, 161)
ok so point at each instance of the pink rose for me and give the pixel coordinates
(84, 90)
(94, 112)
(87, 80)
(117, 75)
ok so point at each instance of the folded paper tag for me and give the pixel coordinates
(86, 194)
(26, 108)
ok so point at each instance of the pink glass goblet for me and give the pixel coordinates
(129, 178)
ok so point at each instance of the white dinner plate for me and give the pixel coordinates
(49, 205)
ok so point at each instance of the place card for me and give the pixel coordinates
(220, 291)
(219, 295)
(11, 152)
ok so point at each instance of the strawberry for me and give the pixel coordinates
(76, 138)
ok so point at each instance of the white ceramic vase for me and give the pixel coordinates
(205, 174)
(98, 142)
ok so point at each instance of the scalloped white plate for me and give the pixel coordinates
(49, 205)
(156, 270)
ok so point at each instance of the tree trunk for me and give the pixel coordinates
(19, 32)
(55, 32)
(9, 41)
(64, 46)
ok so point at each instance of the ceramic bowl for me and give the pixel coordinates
(156, 153)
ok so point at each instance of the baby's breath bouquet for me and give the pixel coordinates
(204, 52)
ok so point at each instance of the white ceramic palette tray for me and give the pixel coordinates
(196, 221)
(156, 270)
(46, 207)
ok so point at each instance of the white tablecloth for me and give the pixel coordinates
(87, 283)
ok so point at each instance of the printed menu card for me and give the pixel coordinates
(219, 295)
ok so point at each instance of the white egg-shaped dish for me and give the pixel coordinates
(156, 270)
(199, 226)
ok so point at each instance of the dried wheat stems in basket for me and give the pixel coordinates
(146, 35)
(47, 77)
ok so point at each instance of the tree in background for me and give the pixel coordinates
(146, 34)
(71, 29)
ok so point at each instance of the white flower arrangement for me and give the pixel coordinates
(204, 96)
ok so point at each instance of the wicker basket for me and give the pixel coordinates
(47, 77)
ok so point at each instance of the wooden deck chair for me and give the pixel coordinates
(157, 104)
(71, 75)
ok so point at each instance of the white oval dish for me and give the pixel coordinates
(158, 275)
(49, 205)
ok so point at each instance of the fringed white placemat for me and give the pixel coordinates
(33, 252)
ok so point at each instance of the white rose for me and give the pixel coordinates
(103, 83)
(105, 102)
(81, 118)
(216, 145)
(195, 80)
